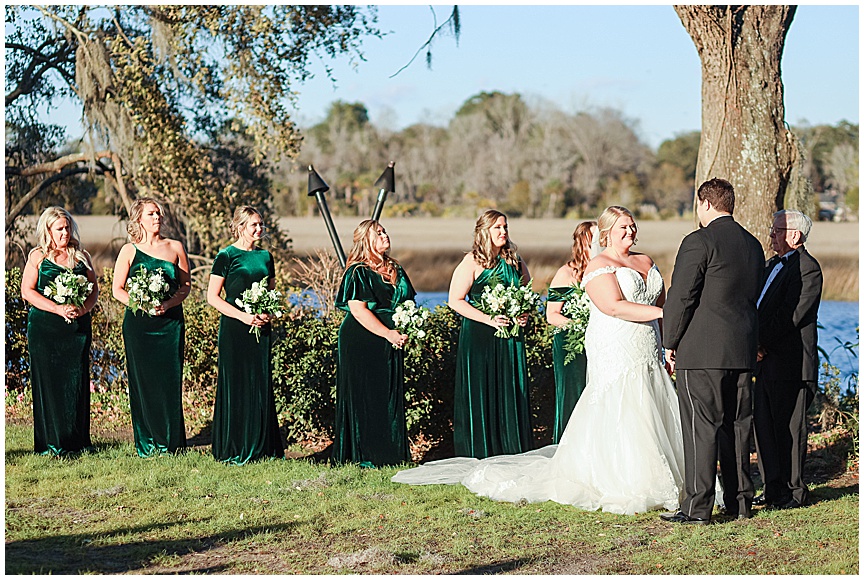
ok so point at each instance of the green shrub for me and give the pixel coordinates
(17, 358)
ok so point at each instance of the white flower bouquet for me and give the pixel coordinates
(147, 290)
(510, 301)
(577, 309)
(410, 319)
(69, 288)
(260, 300)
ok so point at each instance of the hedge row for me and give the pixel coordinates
(304, 368)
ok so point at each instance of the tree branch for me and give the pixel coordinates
(22, 203)
(55, 165)
(453, 22)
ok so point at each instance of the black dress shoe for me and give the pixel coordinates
(735, 515)
(680, 517)
(792, 504)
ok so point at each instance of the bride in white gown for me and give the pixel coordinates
(622, 449)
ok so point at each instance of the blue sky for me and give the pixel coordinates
(638, 59)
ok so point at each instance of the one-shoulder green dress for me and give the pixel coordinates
(491, 409)
(370, 386)
(154, 362)
(245, 427)
(569, 378)
(59, 373)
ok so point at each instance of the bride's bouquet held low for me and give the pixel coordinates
(147, 290)
(410, 320)
(510, 301)
(260, 300)
(69, 288)
(577, 309)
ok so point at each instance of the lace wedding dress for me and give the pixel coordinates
(622, 449)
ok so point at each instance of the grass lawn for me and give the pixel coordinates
(110, 512)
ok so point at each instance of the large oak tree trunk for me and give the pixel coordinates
(744, 137)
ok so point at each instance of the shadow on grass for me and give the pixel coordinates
(97, 447)
(497, 568)
(821, 494)
(74, 554)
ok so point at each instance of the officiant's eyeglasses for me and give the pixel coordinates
(778, 230)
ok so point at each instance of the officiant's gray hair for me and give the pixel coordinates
(795, 220)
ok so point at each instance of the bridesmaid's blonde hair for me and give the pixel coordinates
(74, 250)
(133, 228)
(607, 219)
(363, 252)
(484, 250)
(242, 215)
(580, 252)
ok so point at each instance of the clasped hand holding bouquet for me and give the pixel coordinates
(147, 290)
(69, 288)
(410, 319)
(259, 300)
(510, 302)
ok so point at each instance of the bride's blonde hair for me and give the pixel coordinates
(607, 219)
(74, 250)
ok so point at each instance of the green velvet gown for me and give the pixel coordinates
(491, 410)
(59, 373)
(154, 362)
(245, 427)
(370, 390)
(569, 378)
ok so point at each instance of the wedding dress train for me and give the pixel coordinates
(622, 449)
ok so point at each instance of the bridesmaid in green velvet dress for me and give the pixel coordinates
(569, 378)
(370, 391)
(245, 427)
(58, 338)
(491, 409)
(154, 342)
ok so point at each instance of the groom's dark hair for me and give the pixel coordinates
(719, 192)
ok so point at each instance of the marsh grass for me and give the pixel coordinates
(839, 277)
(111, 512)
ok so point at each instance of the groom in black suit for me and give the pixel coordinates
(788, 368)
(710, 336)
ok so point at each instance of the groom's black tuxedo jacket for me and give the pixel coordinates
(710, 318)
(787, 319)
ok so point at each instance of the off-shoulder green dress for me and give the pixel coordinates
(370, 389)
(491, 408)
(59, 373)
(245, 427)
(154, 362)
(569, 378)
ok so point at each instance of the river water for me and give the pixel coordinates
(838, 325)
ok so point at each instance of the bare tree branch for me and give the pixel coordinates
(44, 184)
(55, 165)
(452, 22)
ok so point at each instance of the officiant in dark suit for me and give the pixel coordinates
(788, 369)
(710, 336)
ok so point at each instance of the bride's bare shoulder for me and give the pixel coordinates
(597, 262)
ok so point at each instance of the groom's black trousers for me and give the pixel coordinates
(716, 416)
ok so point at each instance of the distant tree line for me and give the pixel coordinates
(527, 160)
